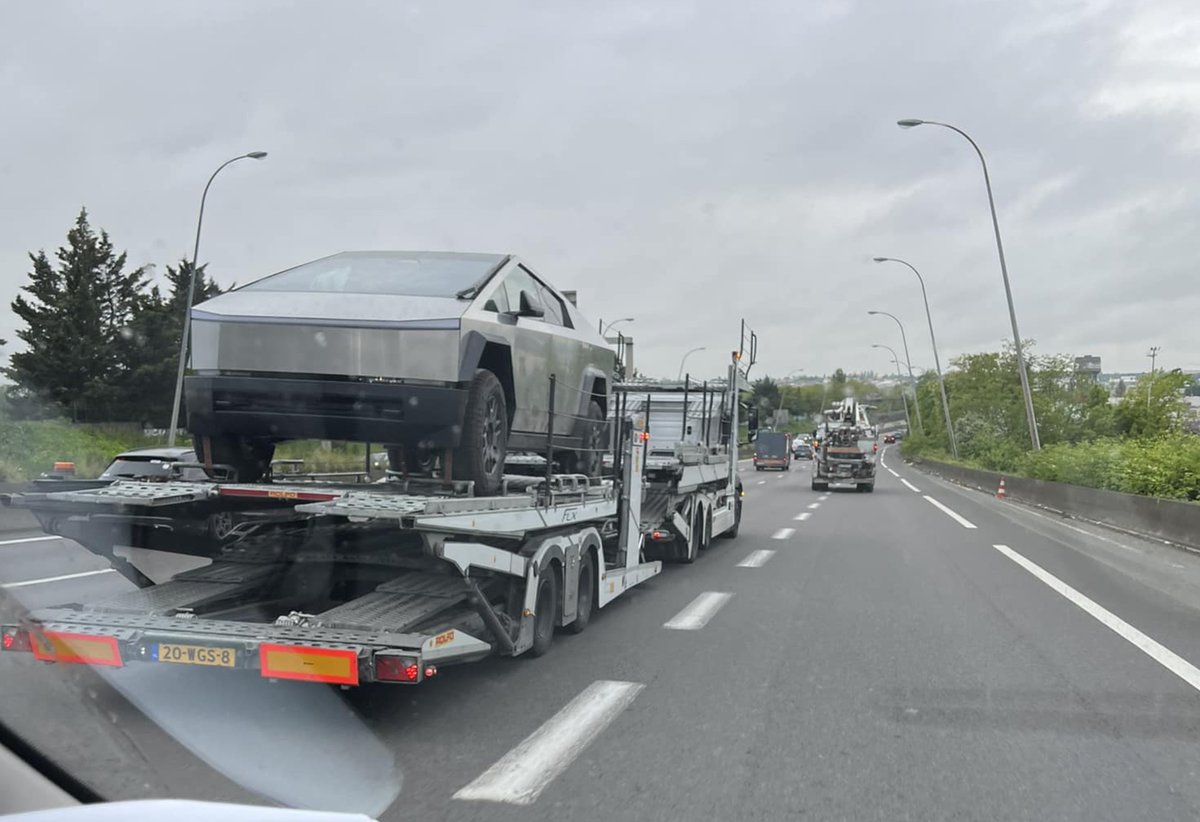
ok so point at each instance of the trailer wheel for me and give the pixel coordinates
(737, 513)
(688, 554)
(820, 486)
(546, 616)
(586, 598)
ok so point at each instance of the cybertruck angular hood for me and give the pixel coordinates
(322, 309)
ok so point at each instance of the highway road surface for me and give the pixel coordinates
(923, 652)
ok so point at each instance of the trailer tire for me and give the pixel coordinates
(695, 537)
(820, 486)
(737, 513)
(484, 441)
(545, 618)
(585, 599)
(415, 458)
(867, 487)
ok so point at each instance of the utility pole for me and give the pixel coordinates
(1153, 355)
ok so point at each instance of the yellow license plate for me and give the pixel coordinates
(195, 655)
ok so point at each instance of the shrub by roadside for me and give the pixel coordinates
(1167, 466)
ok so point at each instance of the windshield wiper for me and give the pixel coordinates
(468, 293)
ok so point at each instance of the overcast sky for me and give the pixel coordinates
(687, 164)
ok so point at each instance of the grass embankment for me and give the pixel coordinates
(30, 448)
(1166, 466)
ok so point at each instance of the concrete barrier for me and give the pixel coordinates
(1170, 520)
(16, 519)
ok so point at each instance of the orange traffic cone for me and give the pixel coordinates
(1000, 492)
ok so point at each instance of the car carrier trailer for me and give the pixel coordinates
(350, 585)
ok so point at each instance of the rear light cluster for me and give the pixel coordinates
(393, 668)
(15, 639)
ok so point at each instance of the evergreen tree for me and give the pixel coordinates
(75, 313)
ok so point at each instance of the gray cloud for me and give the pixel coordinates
(685, 163)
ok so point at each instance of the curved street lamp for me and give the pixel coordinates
(685, 357)
(787, 376)
(933, 341)
(903, 400)
(606, 327)
(908, 360)
(187, 309)
(1012, 312)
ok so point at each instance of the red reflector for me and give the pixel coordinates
(876, 446)
(645, 436)
(430, 671)
(16, 639)
(389, 668)
(656, 535)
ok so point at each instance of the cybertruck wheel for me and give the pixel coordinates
(250, 458)
(484, 442)
(590, 461)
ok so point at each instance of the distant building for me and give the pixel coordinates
(1089, 366)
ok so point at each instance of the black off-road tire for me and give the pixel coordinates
(250, 458)
(590, 460)
(585, 598)
(414, 458)
(483, 444)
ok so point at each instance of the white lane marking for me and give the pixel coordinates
(1164, 656)
(883, 454)
(26, 539)
(890, 471)
(823, 497)
(757, 559)
(814, 505)
(802, 517)
(698, 612)
(911, 487)
(783, 533)
(781, 476)
(961, 520)
(762, 482)
(43, 580)
(521, 775)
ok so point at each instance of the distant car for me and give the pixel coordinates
(889, 438)
(899, 435)
(771, 451)
(802, 450)
(153, 463)
(431, 354)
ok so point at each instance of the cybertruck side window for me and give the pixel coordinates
(517, 281)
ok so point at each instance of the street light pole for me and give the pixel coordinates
(1153, 355)
(187, 309)
(606, 327)
(904, 402)
(1034, 438)
(911, 379)
(789, 374)
(936, 360)
(684, 360)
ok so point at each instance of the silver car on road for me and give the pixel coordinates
(440, 355)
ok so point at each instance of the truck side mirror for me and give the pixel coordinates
(752, 419)
(530, 306)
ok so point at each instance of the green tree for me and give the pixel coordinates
(76, 314)
(1155, 405)
(1119, 391)
(764, 392)
(151, 349)
(839, 377)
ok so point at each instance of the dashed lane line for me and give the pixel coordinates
(783, 533)
(911, 487)
(698, 612)
(520, 776)
(756, 559)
